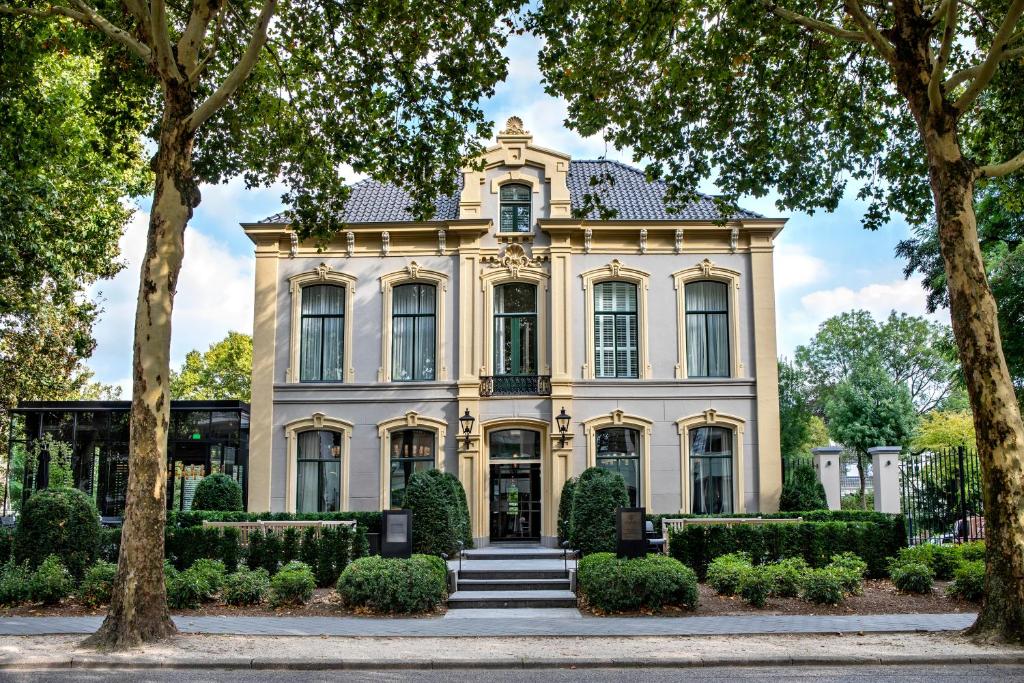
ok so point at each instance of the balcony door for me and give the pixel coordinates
(515, 329)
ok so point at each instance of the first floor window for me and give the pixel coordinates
(711, 470)
(413, 333)
(707, 329)
(412, 450)
(618, 450)
(318, 483)
(322, 343)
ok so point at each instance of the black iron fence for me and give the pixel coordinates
(794, 460)
(941, 496)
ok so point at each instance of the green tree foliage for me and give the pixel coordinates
(795, 411)
(597, 494)
(802, 491)
(223, 372)
(944, 429)
(870, 409)
(1001, 234)
(912, 350)
(218, 492)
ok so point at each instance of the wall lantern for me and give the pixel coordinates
(563, 425)
(467, 421)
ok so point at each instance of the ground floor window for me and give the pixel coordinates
(412, 450)
(318, 484)
(618, 450)
(711, 470)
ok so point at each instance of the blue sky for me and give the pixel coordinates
(825, 263)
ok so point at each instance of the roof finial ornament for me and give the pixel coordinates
(514, 126)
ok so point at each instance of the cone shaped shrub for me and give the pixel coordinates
(802, 491)
(598, 493)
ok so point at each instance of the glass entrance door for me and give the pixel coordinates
(515, 501)
(188, 464)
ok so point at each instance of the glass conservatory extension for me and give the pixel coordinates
(91, 439)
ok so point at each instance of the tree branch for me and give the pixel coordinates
(999, 170)
(166, 64)
(973, 71)
(814, 24)
(88, 17)
(935, 82)
(867, 24)
(988, 67)
(191, 41)
(238, 74)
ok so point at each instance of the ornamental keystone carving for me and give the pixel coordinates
(514, 258)
(514, 126)
(413, 269)
(318, 420)
(710, 415)
(322, 270)
(706, 266)
(615, 266)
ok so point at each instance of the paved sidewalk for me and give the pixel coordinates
(500, 627)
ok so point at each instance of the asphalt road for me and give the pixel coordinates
(849, 674)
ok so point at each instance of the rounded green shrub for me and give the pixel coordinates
(435, 524)
(394, 585)
(187, 589)
(724, 572)
(971, 551)
(786, 575)
(802, 491)
(212, 572)
(850, 569)
(51, 582)
(912, 577)
(98, 584)
(941, 559)
(611, 584)
(218, 492)
(755, 585)
(969, 581)
(246, 587)
(14, 584)
(292, 585)
(598, 493)
(62, 522)
(822, 587)
(565, 509)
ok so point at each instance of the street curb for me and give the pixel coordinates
(272, 664)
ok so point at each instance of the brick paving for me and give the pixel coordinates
(483, 626)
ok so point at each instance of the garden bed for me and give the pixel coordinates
(880, 597)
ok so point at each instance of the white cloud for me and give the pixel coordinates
(796, 267)
(215, 296)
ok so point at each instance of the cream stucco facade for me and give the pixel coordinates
(464, 259)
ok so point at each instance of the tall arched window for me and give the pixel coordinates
(412, 450)
(618, 450)
(616, 338)
(515, 208)
(318, 473)
(413, 332)
(707, 329)
(515, 329)
(711, 470)
(322, 334)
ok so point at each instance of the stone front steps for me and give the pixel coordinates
(517, 577)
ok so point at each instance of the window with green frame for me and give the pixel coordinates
(515, 329)
(616, 338)
(515, 209)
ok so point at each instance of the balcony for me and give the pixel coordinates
(515, 385)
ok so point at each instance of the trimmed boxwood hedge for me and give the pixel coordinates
(815, 542)
(565, 509)
(436, 527)
(597, 494)
(394, 586)
(611, 584)
(218, 492)
(62, 522)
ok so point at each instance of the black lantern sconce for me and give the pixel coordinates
(467, 421)
(563, 425)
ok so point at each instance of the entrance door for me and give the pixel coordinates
(515, 502)
(187, 464)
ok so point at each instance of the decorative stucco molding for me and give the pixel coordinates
(316, 421)
(707, 270)
(615, 271)
(711, 418)
(322, 274)
(413, 273)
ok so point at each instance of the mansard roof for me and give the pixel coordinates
(631, 195)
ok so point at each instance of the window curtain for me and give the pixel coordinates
(711, 470)
(618, 450)
(322, 345)
(707, 329)
(318, 472)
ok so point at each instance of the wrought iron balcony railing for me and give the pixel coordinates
(515, 385)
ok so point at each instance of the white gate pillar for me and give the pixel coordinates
(826, 464)
(885, 466)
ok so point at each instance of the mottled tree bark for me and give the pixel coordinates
(138, 611)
